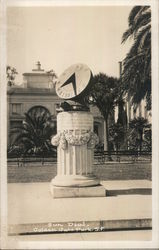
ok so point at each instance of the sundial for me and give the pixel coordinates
(74, 82)
(75, 139)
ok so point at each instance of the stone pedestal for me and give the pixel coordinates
(75, 141)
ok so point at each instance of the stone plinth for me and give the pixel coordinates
(75, 141)
(70, 192)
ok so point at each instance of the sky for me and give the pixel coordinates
(61, 36)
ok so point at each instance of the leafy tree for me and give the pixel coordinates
(147, 144)
(34, 135)
(11, 74)
(136, 75)
(118, 130)
(117, 135)
(137, 127)
(103, 94)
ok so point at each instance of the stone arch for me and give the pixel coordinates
(39, 110)
(36, 111)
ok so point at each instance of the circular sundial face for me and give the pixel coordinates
(73, 81)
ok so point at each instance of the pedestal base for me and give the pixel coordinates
(75, 192)
(75, 181)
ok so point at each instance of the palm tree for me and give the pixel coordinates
(137, 127)
(34, 135)
(103, 94)
(136, 75)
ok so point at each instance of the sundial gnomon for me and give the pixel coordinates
(74, 82)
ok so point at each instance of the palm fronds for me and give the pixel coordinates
(136, 76)
(34, 133)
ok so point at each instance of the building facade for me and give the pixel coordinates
(38, 91)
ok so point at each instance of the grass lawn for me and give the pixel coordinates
(36, 172)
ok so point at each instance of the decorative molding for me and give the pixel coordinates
(62, 139)
(77, 140)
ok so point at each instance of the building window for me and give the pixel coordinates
(16, 108)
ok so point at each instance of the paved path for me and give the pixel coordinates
(31, 204)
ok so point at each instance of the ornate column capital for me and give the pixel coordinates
(75, 138)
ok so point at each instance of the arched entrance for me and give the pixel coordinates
(39, 111)
(42, 114)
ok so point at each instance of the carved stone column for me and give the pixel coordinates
(75, 141)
